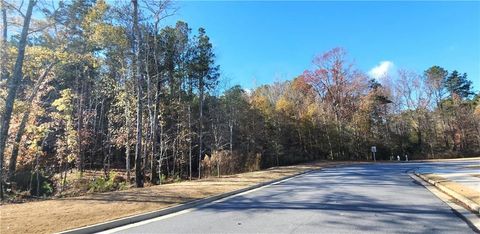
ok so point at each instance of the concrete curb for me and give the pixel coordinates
(447, 159)
(153, 214)
(472, 220)
(472, 206)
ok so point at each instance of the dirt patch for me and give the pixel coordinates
(467, 192)
(62, 214)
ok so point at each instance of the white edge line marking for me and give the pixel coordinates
(129, 226)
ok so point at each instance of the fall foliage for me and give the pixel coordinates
(95, 86)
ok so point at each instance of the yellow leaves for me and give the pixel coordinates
(67, 142)
(39, 55)
(313, 111)
(11, 53)
(38, 58)
(64, 103)
(37, 134)
(97, 12)
(261, 103)
(20, 107)
(477, 111)
(63, 56)
(107, 35)
(94, 16)
(101, 33)
(284, 105)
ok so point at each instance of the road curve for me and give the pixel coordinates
(367, 198)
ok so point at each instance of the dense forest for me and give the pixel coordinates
(88, 85)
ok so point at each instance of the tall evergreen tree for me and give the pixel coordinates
(459, 84)
(206, 74)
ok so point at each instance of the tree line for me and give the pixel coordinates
(97, 86)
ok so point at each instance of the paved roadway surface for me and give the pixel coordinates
(466, 173)
(367, 198)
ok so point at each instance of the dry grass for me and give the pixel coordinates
(473, 167)
(61, 214)
(467, 192)
(446, 159)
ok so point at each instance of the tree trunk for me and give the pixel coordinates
(21, 129)
(155, 170)
(127, 144)
(200, 129)
(149, 155)
(3, 46)
(189, 142)
(162, 149)
(64, 181)
(37, 172)
(327, 133)
(231, 137)
(80, 128)
(175, 148)
(12, 89)
(153, 165)
(93, 149)
(419, 139)
(138, 76)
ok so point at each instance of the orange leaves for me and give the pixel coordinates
(301, 84)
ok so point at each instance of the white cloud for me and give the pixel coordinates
(382, 70)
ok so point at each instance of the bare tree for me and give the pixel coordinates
(139, 79)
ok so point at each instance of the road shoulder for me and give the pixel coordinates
(464, 194)
(472, 219)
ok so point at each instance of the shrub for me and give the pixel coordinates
(47, 188)
(102, 184)
(99, 184)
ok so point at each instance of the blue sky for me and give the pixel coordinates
(262, 42)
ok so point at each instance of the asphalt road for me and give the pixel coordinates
(367, 198)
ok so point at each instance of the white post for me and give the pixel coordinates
(374, 149)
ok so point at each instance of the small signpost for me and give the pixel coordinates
(374, 150)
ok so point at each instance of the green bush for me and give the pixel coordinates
(99, 184)
(123, 186)
(47, 188)
(102, 184)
